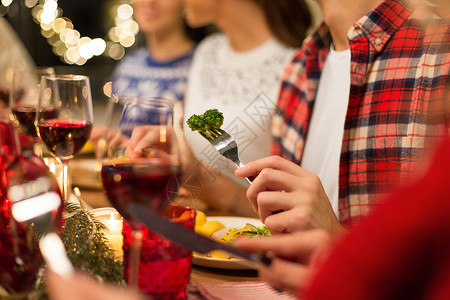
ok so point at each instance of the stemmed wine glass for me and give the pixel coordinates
(23, 101)
(65, 133)
(150, 179)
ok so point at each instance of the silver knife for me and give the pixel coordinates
(187, 238)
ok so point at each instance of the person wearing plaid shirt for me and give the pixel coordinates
(398, 74)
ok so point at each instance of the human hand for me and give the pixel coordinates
(151, 140)
(83, 287)
(287, 197)
(294, 257)
(106, 139)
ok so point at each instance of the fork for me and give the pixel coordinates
(225, 145)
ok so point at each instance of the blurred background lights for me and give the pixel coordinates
(30, 3)
(116, 51)
(107, 89)
(98, 46)
(125, 11)
(68, 43)
(50, 5)
(59, 25)
(6, 2)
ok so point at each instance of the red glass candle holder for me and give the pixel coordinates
(164, 267)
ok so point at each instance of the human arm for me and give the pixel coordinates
(80, 286)
(287, 197)
(294, 257)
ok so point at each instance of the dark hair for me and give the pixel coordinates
(288, 20)
(197, 34)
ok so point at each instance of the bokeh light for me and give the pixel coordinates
(125, 11)
(6, 2)
(68, 43)
(30, 3)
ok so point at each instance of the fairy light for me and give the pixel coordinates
(125, 11)
(68, 43)
(6, 3)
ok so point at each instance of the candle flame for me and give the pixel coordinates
(52, 168)
(114, 226)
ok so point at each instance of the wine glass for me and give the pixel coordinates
(150, 179)
(20, 256)
(65, 133)
(23, 101)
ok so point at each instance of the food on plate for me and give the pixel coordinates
(89, 147)
(218, 231)
(212, 119)
(248, 230)
(200, 218)
(209, 227)
(226, 236)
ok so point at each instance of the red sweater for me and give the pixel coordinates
(402, 251)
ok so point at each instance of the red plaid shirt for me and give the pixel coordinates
(399, 71)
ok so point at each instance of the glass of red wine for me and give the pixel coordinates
(64, 133)
(20, 257)
(23, 101)
(149, 176)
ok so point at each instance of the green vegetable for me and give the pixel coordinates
(212, 119)
(250, 229)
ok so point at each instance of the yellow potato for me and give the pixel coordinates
(200, 219)
(219, 254)
(209, 228)
(88, 147)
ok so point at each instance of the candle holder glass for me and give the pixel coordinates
(114, 224)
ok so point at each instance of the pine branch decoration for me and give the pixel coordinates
(88, 249)
(86, 245)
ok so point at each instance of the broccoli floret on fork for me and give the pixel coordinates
(210, 120)
(208, 125)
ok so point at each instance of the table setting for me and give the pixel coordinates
(139, 235)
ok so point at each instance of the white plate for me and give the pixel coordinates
(231, 263)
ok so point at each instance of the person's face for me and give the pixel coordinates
(155, 16)
(200, 12)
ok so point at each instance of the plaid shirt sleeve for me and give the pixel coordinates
(297, 93)
(399, 71)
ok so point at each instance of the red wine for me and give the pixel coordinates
(26, 116)
(151, 182)
(64, 138)
(9, 143)
(20, 256)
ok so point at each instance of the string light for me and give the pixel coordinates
(67, 42)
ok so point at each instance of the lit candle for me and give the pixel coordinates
(114, 222)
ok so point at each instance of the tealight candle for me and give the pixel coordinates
(114, 222)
